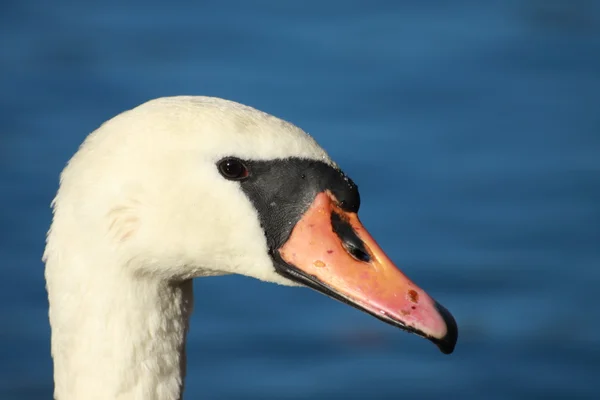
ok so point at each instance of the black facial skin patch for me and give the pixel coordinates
(282, 190)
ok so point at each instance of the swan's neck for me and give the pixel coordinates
(116, 336)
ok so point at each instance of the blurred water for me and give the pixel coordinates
(472, 129)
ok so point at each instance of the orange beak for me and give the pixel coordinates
(329, 250)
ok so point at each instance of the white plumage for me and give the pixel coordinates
(140, 211)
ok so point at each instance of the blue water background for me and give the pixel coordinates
(471, 127)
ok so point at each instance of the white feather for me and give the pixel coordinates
(141, 210)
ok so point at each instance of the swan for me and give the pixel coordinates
(186, 187)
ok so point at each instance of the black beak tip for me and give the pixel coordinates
(448, 342)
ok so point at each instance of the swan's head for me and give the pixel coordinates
(192, 186)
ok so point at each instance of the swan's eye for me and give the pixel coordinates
(233, 169)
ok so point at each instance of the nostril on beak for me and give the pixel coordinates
(357, 253)
(350, 240)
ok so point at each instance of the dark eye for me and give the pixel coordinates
(233, 169)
